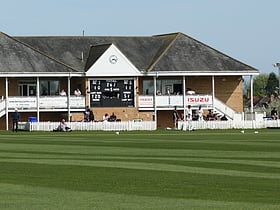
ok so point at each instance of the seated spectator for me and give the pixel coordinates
(77, 92)
(190, 91)
(113, 117)
(224, 118)
(91, 115)
(211, 116)
(62, 92)
(88, 115)
(106, 117)
(63, 127)
(274, 114)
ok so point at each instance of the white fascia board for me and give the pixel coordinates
(47, 74)
(172, 73)
(112, 63)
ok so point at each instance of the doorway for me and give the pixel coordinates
(27, 88)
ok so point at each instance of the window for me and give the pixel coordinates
(49, 87)
(164, 87)
(148, 87)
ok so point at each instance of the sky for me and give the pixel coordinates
(247, 30)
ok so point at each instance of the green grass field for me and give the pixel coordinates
(210, 169)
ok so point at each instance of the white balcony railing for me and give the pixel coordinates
(174, 100)
(46, 102)
(169, 101)
(2, 107)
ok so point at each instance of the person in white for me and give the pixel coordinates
(106, 117)
(63, 126)
(189, 111)
(190, 91)
(62, 93)
(189, 122)
(77, 92)
(200, 114)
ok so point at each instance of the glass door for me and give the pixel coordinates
(27, 88)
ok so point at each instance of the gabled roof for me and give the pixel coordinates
(166, 54)
(18, 57)
(187, 54)
(108, 60)
(74, 50)
(94, 53)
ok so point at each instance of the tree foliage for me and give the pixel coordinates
(272, 85)
(260, 83)
(265, 85)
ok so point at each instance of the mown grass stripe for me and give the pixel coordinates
(143, 182)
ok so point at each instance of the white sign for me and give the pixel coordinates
(46, 102)
(22, 102)
(145, 101)
(199, 100)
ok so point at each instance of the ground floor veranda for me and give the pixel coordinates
(151, 100)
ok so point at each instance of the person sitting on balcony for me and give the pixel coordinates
(77, 92)
(62, 92)
(44, 92)
(190, 91)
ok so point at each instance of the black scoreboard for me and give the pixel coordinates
(112, 93)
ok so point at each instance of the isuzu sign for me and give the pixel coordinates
(197, 99)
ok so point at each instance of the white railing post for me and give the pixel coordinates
(7, 108)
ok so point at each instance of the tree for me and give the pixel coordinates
(272, 85)
(260, 85)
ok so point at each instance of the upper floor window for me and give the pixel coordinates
(164, 87)
(49, 87)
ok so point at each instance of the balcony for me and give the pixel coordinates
(166, 101)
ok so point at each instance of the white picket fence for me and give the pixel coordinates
(151, 125)
(230, 124)
(88, 126)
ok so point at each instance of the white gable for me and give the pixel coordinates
(112, 63)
